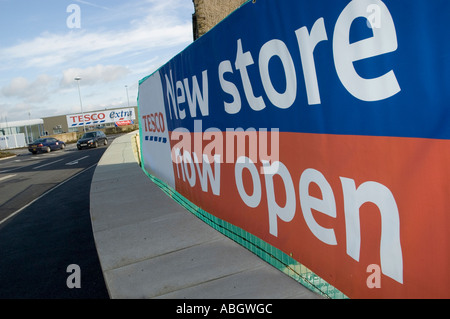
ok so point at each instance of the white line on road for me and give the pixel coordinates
(21, 167)
(6, 177)
(46, 193)
(76, 161)
(48, 164)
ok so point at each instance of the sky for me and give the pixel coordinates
(110, 44)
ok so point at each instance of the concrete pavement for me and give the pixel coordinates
(151, 247)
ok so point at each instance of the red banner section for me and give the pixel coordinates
(341, 205)
(124, 123)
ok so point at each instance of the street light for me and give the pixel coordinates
(128, 99)
(81, 103)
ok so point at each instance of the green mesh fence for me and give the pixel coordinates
(265, 251)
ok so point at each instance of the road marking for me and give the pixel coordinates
(10, 170)
(21, 167)
(48, 164)
(7, 177)
(75, 162)
(46, 193)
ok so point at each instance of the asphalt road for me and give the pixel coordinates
(26, 177)
(47, 196)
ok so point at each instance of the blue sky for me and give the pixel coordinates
(118, 43)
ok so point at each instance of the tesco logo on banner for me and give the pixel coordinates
(87, 118)
(101, 117)
(154, 123)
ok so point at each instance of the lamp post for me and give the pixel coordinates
(128, 101)
(81, 103)
(128, 98)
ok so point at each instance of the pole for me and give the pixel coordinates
(128, 98)
(81, 103)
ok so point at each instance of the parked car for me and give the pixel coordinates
(92, 139)
(46, 144)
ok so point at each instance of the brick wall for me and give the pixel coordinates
(210, 12)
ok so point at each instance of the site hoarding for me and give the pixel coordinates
(321, 127)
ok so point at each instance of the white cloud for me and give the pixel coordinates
(95, 74)
(35, 91)
(114, 48)
(146, 34)
(16, 87)
(92, 4)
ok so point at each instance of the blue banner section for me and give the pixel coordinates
(361, 67)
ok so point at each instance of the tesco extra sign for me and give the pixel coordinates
(102, 117)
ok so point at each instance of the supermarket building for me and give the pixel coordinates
(90, 120)
(19, 133)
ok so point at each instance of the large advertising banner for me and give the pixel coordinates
(321, 127)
